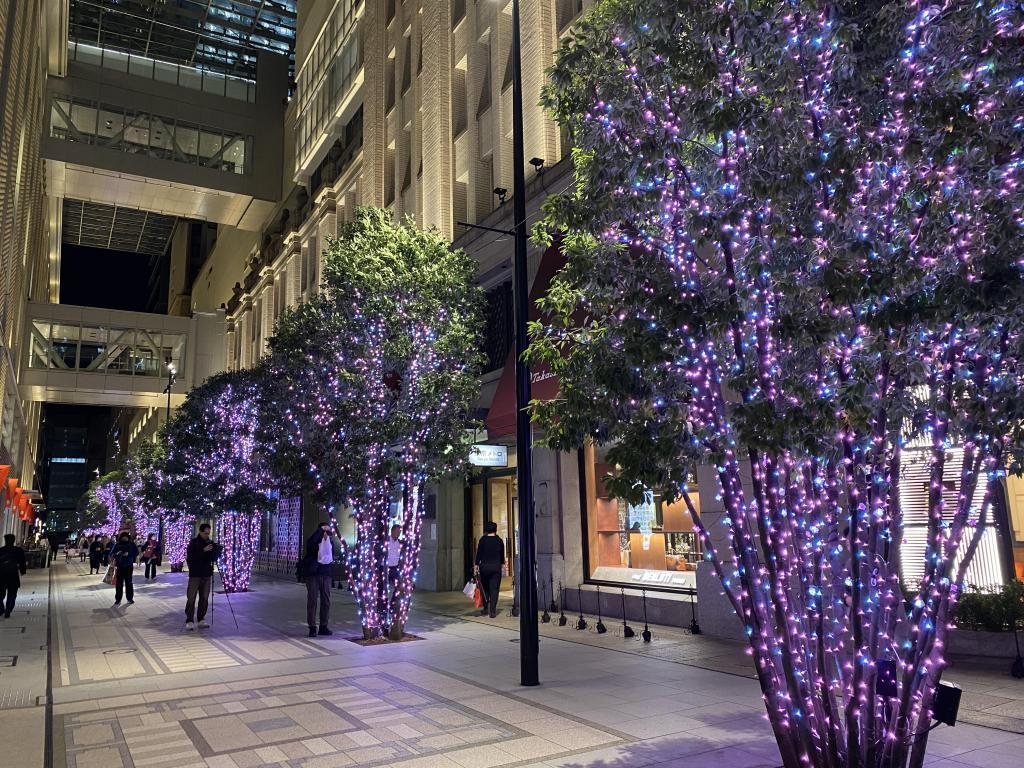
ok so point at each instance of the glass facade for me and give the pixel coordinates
(165, 138)
(163, 71)
(124, 351)
(326, 76)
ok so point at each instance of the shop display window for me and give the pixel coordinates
(650, 544)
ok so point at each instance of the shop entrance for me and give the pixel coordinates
(493, 495)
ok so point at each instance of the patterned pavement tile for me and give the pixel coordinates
(387, 715)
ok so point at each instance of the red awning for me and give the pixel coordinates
(501, 418)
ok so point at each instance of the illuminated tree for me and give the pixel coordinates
(219, 464)
(795, 248)
(375, 377)
(104, 505)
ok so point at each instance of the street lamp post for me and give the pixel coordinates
(529, 640)
(171, 374)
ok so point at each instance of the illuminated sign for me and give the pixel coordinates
(488, 455)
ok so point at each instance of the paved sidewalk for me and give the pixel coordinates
(132, 690)
(23, 659)
(990, 696)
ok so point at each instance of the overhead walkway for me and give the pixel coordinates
(132, 131)
(90, 356)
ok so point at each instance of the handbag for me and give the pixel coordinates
(470, 589)
(478, 597)
(110, 577)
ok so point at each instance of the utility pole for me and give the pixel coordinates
(529, 640)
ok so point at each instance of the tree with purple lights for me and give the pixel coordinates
(219, 465)
(374, 380)
(104, 505)
(795, 247)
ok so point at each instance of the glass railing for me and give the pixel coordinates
(165, 138)
(95, 349)
(163, 71)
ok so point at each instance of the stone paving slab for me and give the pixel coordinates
(273, 698)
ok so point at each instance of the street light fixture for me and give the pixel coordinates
(172, 373)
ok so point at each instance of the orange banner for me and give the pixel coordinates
(12, 486)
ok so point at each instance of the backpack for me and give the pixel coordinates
(9, 563)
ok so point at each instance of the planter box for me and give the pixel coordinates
(978, 642)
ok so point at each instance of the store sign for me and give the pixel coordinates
(488, 455)
(664, 578)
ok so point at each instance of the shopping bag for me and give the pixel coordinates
(110, 576)
(470, 589)
(478, 598)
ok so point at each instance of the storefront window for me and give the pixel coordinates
(651, 544)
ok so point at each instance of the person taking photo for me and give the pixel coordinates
(200, 556)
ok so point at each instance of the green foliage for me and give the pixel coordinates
(380, 368)
(992, 610)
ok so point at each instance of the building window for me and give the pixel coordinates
(459, 98)
(458, 12)
(650, 544)
(497, 326)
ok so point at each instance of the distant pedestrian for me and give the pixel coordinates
(12, 568)
(200, 556)
(394, 555)
(108, 545)
(321, 549)
(151, 553)
(83, 548)
(123, 555)
(97, 552)
(490, 560)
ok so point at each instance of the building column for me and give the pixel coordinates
(715, 612)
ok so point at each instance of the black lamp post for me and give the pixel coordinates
(172, 373)
(529, 640)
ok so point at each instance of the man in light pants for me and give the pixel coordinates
(200, 556)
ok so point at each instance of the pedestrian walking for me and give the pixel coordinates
(108, 545)
(123, 555)
(12, 568)
(151, 553)
(490, 560)
(200, 556)
(97, 550)
(321, 550)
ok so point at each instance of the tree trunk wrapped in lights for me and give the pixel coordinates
(239, 534)
(795, 249)
(219, 463)
(374, 380)
(177, 533)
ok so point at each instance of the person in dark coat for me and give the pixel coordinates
(12, 568)
(321, 550)
(490, 559)
(152, 551)
(123, 555)
(200, 556)
(97, 548)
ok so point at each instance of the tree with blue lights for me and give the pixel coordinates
(795, 246)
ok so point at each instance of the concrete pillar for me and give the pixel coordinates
(716, 614)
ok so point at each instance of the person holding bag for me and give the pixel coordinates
(151, 553)
(490, 560)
